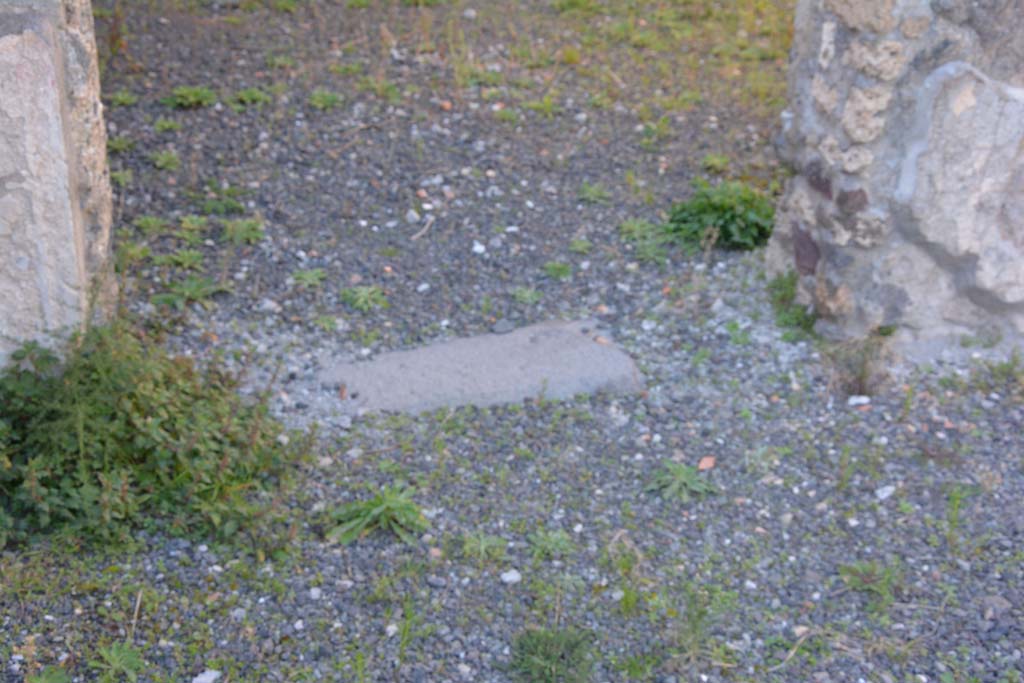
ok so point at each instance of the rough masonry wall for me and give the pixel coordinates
(54, 185)
(906, 130)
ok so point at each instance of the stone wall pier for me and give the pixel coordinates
(54, 185)
(906, 130)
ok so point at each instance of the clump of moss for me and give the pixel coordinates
(120, 435)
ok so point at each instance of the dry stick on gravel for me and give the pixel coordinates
(421, 233)
(793, 650)
(135, 617)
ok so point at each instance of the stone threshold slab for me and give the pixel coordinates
(552, 360)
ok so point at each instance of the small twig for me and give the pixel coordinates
(792, 651)
(423, 231)
(135, 616)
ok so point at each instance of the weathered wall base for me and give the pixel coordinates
(906, 129)
(54, 186)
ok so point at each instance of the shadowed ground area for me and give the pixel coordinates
(342, 181)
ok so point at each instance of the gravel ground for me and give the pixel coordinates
(849, 538)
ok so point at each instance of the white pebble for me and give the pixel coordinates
(510, 577)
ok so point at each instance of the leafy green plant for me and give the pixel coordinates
(795, 319)
(715, 163)
(324, 99)
(648, 239)
(151, 226)
(165, 160)
(364, 298)
(740, 216)
(381, 87)
(594, 193)
(192, 229)
(193, 289)
(250, 97)
(547, 545)
(544, 655)
(483, 548)
(392, 510)
(309, 279)
(244, 231)
(120, 145)
(557, 271)
(122, 98)
(117, 660)
(880, 582)
(546, 106)
(186, 259)
(164, 125)
(703, 608)
(327, 323)
(580, 246)
(51, 674)
(129, 254)
(655, 133)
(681, 482)
(122, 434)
(122, 178)
(526, 296)
(190, 97)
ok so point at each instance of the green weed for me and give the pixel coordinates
(557, 271)
(680, 482)
(740, 216)
(309, 279)
(795, 319)
(121, 434)
(391, 510)
(117, 660)
(549, 545)
(250, 97)
(593, 193)
(163, 125)
(166, 160)
(880, 582)
(365, 298)
(190, 97)
(323, 100)
(244, 231)
(122, 98)
(543, 655)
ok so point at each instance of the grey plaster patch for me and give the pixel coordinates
(553, 360)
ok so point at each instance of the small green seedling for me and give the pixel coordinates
(526, 296)
(164, 125)
(122, 98)
(392, 510)
(120, 145)
(118, 660)
(324, 99)
(244, 231)
(151, 226)
(365, 298)
(165, 160)
(594, 193)
(190, 97)
(681, 482)
(543, 655)
(548, 545)
(557, 271)
(717, 164)
(250, 97)
(309, 279)
(580, 246)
